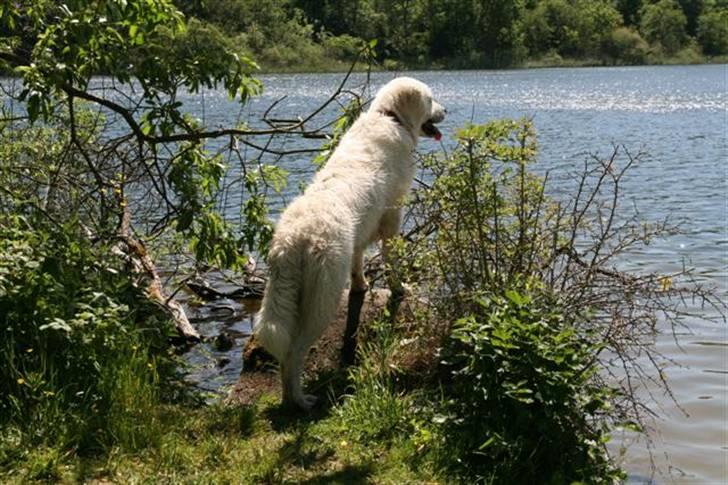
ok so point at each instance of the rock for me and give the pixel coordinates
(224, 342)
(255, 357)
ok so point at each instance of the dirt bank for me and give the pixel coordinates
(415, 358)
(260, 374)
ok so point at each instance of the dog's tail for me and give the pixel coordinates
(300, 299)
(279, 310)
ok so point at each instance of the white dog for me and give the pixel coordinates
(321, 236)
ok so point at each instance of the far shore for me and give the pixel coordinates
(341, 67)
(546, 63)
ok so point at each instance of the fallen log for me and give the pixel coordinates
(143, 264)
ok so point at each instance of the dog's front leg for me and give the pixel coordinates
(396, 287)
(359, 286)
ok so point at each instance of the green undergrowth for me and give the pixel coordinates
(380, 423)
(228, 444)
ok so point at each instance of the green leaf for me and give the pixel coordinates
(517, 298)
(56, 324)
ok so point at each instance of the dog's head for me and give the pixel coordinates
(410, 102)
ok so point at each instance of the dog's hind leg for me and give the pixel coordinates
(319, 302)
(291, 371)
(292, 368)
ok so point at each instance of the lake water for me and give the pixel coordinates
(677, 115)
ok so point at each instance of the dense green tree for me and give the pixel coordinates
(498, 28)
(664, 23)
(551, 25)
(570, 27)
(692, 10)
(360, 18)
(462, 33)
(473, 33)
(449, 33)
(596, 22)
(630, 10)
(398, 27)
(712, 32)
(491, 36)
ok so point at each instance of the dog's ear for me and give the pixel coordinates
(409, 104)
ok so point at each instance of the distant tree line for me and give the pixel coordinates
(472, 33)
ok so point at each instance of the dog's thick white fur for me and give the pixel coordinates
(321, 236)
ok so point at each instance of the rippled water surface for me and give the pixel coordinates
(676, 115)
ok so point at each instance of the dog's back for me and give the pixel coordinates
(317, 232)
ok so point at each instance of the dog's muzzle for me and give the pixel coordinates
(429, 128)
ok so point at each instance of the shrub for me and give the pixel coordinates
(83, 354)
(539, 320)
(343, 47)
(520, 403)
(78, 340)
(689, 54)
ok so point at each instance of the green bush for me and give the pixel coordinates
(524, 288)
(689, 54)
(520, 404)
(485, 213)
(521, 400)
(342, 47)
(81, 349)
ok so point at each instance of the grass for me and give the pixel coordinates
(229, 444)
(363, 430)
(685, 56)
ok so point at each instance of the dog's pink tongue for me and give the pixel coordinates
(430, 130)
